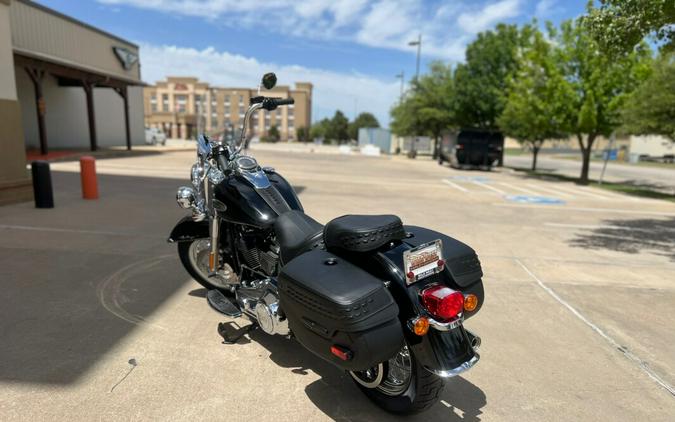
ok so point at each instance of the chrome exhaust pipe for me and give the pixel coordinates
(475, 340)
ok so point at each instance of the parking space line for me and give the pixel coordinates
(586, 209)
(623, 349)
(611, 195)
(608, 227)
(510, 186)
(552, 190)
(78, 231)
(485, 185)
(584, 193)
(454, 185)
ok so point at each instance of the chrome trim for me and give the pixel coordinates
(447, 373)
(475, 340)
(185, 197)
(437, 325)
(374, 383)
(256, 178)
(247, 117)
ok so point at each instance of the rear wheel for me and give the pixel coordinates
(194, 256)
(400, 385)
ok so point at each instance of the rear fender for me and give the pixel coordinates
(187, 230)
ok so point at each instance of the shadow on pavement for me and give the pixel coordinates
(631, 236)
(79, 278)
(339, 398)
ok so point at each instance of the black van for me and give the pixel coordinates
(472, 148)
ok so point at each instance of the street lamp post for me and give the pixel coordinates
(417, 43)
(402, 77)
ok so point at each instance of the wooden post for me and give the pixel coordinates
(37, 76)
(89, 91)
(124, 93)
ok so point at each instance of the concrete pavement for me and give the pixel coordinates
(91, 285)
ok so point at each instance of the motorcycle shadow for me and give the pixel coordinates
(336, 395)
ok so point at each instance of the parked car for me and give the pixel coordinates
(154, 136)
(472, 148)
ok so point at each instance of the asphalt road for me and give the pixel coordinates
(100, 322)
(662, 179)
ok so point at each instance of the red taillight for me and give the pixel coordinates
(442, 302)
(341, 352)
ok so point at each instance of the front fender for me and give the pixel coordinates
(187, 229)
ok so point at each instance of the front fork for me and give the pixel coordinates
(214, 228)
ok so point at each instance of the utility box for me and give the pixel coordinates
(376, 136)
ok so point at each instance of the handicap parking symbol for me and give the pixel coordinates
(529, 199)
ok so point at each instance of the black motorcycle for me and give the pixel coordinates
(384, 301)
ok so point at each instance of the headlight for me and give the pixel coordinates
(185, 197)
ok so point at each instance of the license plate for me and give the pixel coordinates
(423, 261)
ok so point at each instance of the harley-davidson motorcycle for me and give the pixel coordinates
(382, 300)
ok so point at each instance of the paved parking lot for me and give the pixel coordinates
(99, 321)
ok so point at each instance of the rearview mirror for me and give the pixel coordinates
(269, 80)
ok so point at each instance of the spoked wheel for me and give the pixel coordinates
(400, 385)
(195, 258)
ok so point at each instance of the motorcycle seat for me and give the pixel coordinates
(296, 233)
(362, 233)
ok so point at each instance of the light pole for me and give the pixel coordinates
(417, 43)
(402, 77)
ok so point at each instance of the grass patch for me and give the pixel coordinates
(515, 151)
(625, 188)
(656, 164)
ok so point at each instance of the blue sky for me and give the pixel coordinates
(350, 50)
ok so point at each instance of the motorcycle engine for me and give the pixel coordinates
(259, 299)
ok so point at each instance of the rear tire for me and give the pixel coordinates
(420, 394)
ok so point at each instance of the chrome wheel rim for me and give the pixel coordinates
(199, 259)
(391, 378)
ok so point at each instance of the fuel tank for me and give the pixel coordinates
(256, 206)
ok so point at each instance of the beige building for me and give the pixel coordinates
(181, 106)
(63, 85)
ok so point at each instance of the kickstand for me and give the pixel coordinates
(234, 337)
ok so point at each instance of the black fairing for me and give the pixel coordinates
(245, 205)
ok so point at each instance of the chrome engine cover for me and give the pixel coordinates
(261, 303)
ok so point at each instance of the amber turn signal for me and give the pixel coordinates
(470, 302)
(420, 326)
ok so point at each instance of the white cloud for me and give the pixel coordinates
(332, 90)
(490, 14)
(446, 27)
(547, 8)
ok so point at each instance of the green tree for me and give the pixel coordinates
(480, 82)
(338, 128)
(318, 129)
(428, 107)
(536, 102)
(620, 25)
(272, 135)
(595, 86)
(362, 120)
(302, 133)
(651, 108)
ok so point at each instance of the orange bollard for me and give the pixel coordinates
(88, 177)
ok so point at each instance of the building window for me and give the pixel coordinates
(199, 105)
(241, 100)
(165, 102)
(153, 103)
(181, 103)
(227, 101)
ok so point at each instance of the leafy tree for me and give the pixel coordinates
(319, 129)
(272, 135)
(362, 120)
(595, 86)
(302, 133)
(480, 82)
(536, 99)
(651, 108)
(428, 109)
(619, 25)
(338, 128)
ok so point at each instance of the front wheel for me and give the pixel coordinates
(194, 256)
(400, 385)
